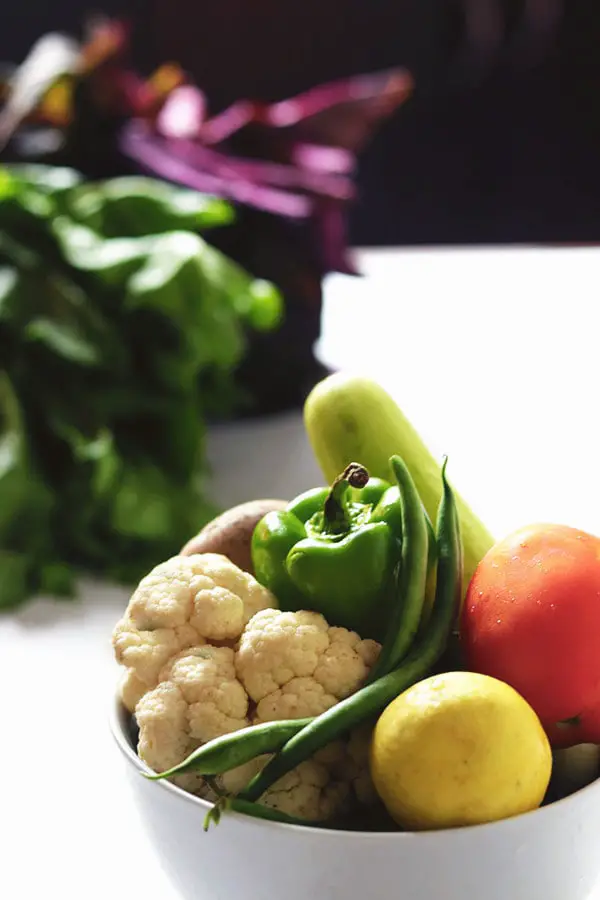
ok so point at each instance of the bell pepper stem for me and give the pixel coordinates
(335, 509)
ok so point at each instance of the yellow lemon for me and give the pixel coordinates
(459, 749)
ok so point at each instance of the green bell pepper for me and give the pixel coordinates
(334, 551)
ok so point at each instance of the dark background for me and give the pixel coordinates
(500, 142)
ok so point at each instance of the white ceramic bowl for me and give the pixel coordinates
(550, 854)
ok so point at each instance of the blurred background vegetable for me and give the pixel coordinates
(130, 216)
(289, 167)
(120, 332)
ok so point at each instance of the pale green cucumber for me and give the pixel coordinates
(350, 418)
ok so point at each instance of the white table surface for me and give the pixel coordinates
(493, 354)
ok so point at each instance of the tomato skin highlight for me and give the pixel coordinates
(531, 618)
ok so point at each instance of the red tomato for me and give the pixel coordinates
(531, 618)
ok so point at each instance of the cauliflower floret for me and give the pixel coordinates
(197, 699)
(217, 702)
(358, 747)
(293, 664)
(162, 718)
(309, 792)
(146, 652)
(183, 602)
(132, 689)
(299, 698)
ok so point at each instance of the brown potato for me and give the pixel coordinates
(231, 532)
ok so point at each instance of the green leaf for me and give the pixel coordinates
(26, 503)
(49, 309)
(183, 277)
(165, 279)
(9, 279)
(136, 206)
(7, 184)
(14, 579)
(14, 481)
(57, 580)
(14, 486)
(64, 340)
(143, 504)
(114, 259)
(10, 451)
(101, 455)
(19, 254)
(106, 472)
(245, 296)
(48, 179)
(266, 310)
(36, 204)
(176, 279)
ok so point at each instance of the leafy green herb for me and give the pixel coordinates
(120, 330)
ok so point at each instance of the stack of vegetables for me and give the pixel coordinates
(318, 660)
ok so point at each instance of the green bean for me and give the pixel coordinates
(231, 750)
(411, 580)
(374, 697)
(449, 583)
(430, 580)
(257, 810)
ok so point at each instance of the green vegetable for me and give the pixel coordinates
(256, 810)
(120, 331)
(430, 581)
(389, 509)
(373, 698)
(407, 610)
(351, 417)
(231, 750)
(333, 551)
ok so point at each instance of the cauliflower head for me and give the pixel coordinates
(183, 602)
(294, 664)
(207, 653)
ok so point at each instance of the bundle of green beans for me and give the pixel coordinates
(408, 654)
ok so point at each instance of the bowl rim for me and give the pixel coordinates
(119, 713)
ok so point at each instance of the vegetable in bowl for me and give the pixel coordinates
(317, 722)
(218, 677)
